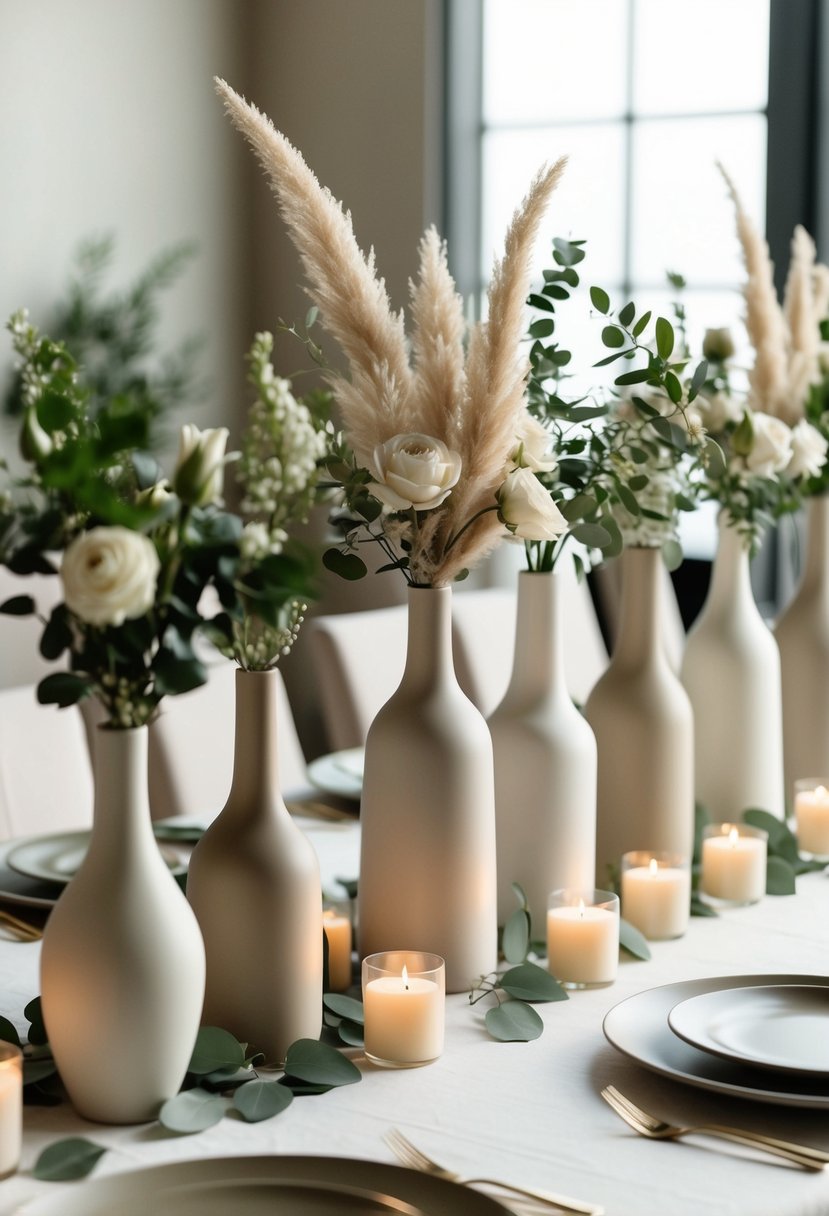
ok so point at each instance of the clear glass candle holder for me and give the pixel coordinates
(733, 864)
(656, 893)
(336, 921)
(811, 816)
(583, 937)
(404, 998)
(11, 1107)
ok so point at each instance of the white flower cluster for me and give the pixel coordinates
(259, 647)
(641, 531)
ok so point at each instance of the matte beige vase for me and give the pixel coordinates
(644, 728)
(254, 884)
(122, 967)
(427, 868)
(545, 763)
(802, 634)
(731, 672)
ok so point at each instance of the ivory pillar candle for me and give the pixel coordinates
(583, 937)
(656, 893)
(11, 1107)
(338, 934)
(403, 1002)
(734, 863)
(811, 812)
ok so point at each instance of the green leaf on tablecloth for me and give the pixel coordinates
(344, 1006)
(631, 939)
(37, 1031)
(529, 982)
(225, 1078)
(67, 1159)
(700, 908)
(194, 1110)
(802, 866)
(514, 1022)
(262, 1100)
(330, 1019)
(779, 877)
(215, 1050)
(351, 1033)
(304, 1089)
(516, 939)
(316, 1063)
(8, 1032)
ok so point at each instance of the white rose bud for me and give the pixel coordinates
(109, 575)
(154, 496)
(199, 476)
(527, 509)
(533, 450)
(809, 449)
(718, 345)
(414, 471)
(772, 446)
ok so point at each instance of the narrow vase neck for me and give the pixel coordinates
(816, 563)
(256, 754)
(730, 573)
(640, 618)
(538, 666)
(122, 803)
(429, 645)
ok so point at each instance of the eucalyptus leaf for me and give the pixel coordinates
(215, 1050)
(520, 894)
(351, 1033)
(529, 982)
(631, 939)
(8, 1032)
(192, 1111)
(627, 314)
(700, 908)
(33, 1012)
(62, 688)
(595, 536)
(347, 565)
(18, 605)
(318, 1064)
(67, 1159)
(672, 554)
(516, 939)
(664, 338)
(303, 1089)
(261, 1100)
(600, 299)
(780, 877)
(344, 1006)
(612, 336)
(514, 1022)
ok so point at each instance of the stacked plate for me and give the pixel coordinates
(762, 1037)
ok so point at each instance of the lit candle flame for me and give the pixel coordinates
(653, 866)
(581, 909)
(821, 792)
(733, 837)
(405, 978)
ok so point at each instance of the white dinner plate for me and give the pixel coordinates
(56, 857)
(638, 1027)
(266, 1186)
(782, 1026)
(340, 773)
(18, 888)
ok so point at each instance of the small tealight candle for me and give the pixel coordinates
(337, 928)
(403, 1002)
(583, 937)
(733, 863)
(11, 1107)
(811, 812)
(656, 893)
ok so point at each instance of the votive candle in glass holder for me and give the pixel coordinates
(404, 998)
(656, 893)
(583, 937)
(733, 863)
(811, 814)
(11, 1107)
(337, 925)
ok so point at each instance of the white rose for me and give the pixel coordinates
(717, 410)
(809, 449)
(527, 509)
(772, 446)
(109, 575)
(199, 476)
(414, 471)
(533, 450)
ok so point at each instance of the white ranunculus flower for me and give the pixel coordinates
(533, 450)
(772, 446)
(199, 476)
(414, 471)
(109, 575)
(526, 508)
(809, 449)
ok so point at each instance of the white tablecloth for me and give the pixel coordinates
(527, 1112)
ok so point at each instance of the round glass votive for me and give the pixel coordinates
(11, 1107)
(656, 893)
(811, 815)
(583, 937)
(404, 998)
(336, 922)
(733, 864)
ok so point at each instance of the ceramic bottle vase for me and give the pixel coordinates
(427, 867)
(644, 728)
(254, 884)
(731, 672)
(122, 966)
(802, 634)
(545, 763)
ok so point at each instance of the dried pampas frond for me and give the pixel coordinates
(437, 343)
(804, 333)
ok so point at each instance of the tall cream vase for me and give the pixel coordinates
(731, 672)
(802, 634)
(122, 966)
(644, 728)
(254, 884)
(545, 763)
(427, 868)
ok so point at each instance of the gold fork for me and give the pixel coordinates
(21, 928)
(657, 1129)
(409, 1155)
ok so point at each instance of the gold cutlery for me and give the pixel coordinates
(657, 1129)
(409, 1155)
(321, 810)
(21, 928)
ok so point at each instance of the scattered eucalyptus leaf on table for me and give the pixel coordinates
(631, 940)
(313, 1063)
(529, 982)
(67, 1159)
(193, 1110)
(216, 1050)
(514, 1022)
(344, 1006)
(259, 1100)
